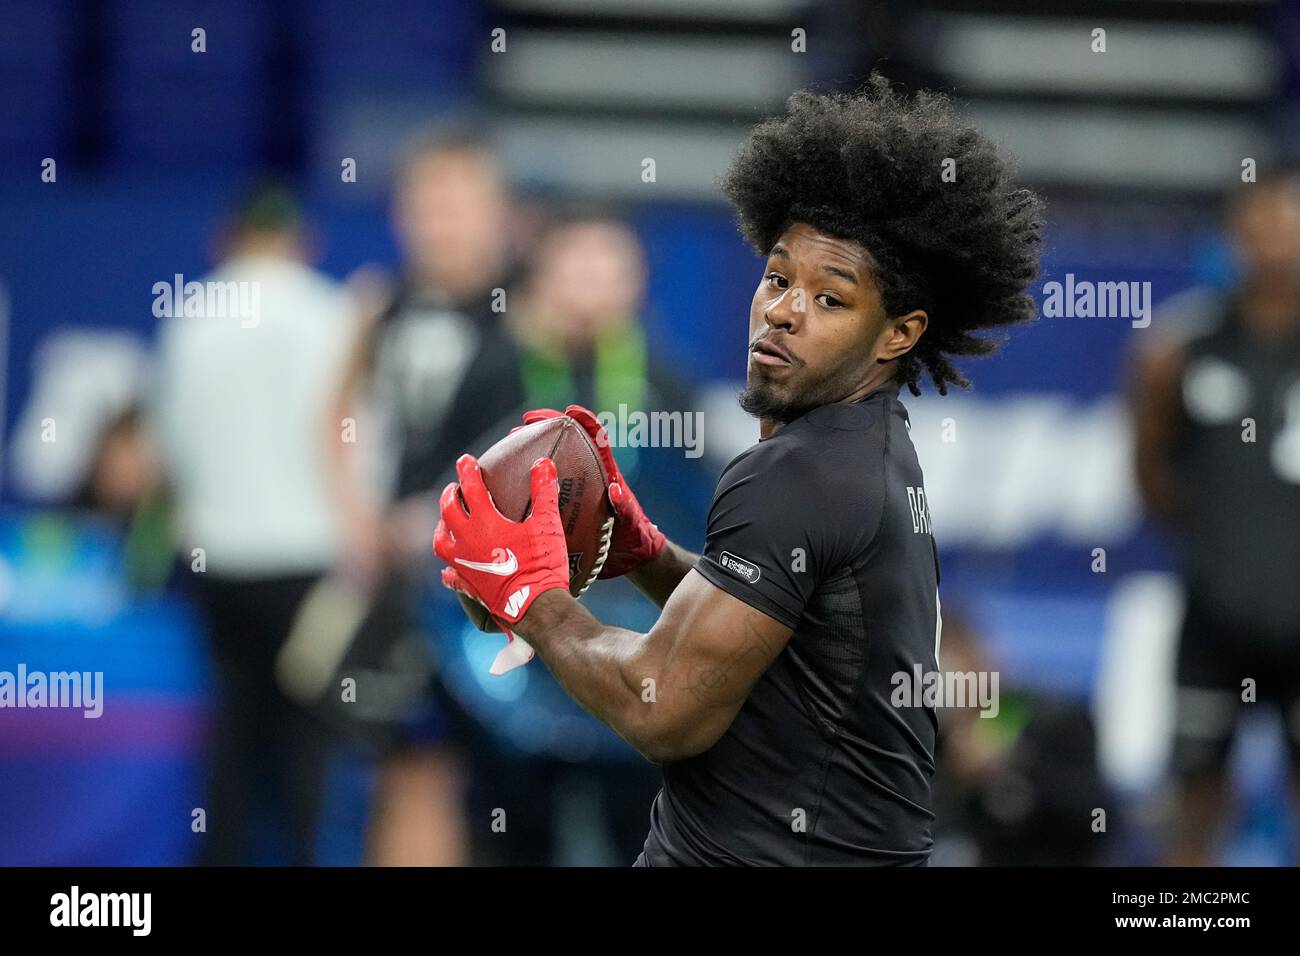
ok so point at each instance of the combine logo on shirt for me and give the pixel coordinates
(745, 570)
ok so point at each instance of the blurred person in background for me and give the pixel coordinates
(437, 363)
(104, 466)
(1217, 414)
(124, 485)
(1016, 785)
(581, 340)
(579, 326)
(124, 468)
(239, 406)
(581, 333)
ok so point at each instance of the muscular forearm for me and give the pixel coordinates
(659, 577)
(1157, 418)
(602, 668)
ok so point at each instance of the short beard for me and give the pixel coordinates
(761, 401)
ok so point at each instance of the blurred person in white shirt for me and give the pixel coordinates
(242, 400)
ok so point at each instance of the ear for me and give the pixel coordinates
(901, 334)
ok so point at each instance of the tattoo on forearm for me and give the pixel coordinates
(709, 684)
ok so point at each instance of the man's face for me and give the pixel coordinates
(588, 275)
(1267, 227)
(451, 211)
(814, 325)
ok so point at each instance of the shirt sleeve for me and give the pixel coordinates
(777, 528)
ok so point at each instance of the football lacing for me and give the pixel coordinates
(602, 552)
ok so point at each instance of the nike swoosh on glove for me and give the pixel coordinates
(635, 539)
(504, 565)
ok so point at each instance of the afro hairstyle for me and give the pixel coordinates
(867, 167)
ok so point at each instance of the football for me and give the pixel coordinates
(584, 500)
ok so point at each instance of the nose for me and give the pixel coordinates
(781, 312)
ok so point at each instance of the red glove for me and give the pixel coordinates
(635, 540)
(502, 564)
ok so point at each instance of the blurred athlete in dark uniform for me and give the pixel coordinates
(765, 687)
(1217, 410)
(438, 369)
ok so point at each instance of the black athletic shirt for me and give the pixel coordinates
(449, 373)
(1240, 547)
(824, 527)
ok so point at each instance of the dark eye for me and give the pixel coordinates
(831, 302)
(774, 276)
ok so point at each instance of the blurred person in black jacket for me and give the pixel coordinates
(433, 370)
(1217, 414)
